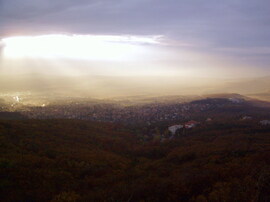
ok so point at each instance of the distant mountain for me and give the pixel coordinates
(261, 96)
(212, 101)
(257, 100)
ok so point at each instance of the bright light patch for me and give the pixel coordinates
(86, 47)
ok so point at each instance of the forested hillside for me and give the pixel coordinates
(72, 160)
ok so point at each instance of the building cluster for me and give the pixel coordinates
(188, 125)
(149, 113)
(265, 122)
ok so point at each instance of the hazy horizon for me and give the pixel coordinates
(104, 87)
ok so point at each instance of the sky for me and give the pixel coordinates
(185, 38)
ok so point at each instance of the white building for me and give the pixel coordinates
(265, 122)
(174, 128)
(236, 100)
(247, 118)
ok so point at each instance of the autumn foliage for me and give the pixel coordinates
(72, 160)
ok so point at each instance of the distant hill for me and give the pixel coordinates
(212, 101)
(225, 95)
(262, 96)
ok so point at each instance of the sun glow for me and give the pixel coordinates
(88, 47)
